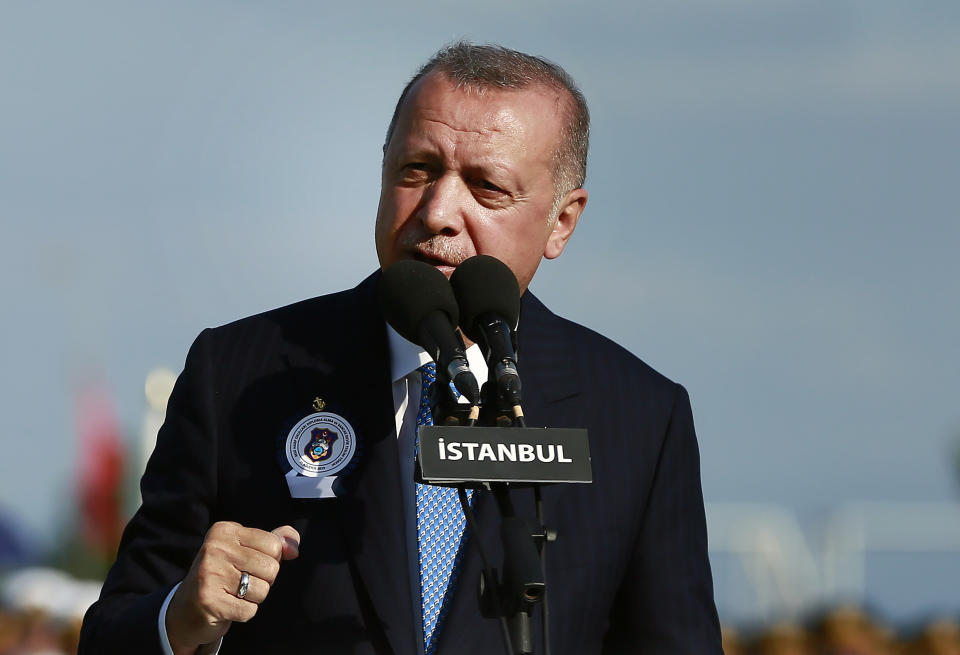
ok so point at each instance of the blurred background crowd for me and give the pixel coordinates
(846, 630)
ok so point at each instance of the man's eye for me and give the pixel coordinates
(489, 186)
(415, 171)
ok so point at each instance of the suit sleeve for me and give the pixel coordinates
(160, 541)
(665, 603)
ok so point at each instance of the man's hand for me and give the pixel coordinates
(206, 603)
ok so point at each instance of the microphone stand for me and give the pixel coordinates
(523, 583)
(513, 596)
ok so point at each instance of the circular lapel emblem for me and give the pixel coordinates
(320, 444)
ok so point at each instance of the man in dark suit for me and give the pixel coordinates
(242, 539)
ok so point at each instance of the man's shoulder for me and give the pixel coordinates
(592, 349)
(319, 331)
(317, 314)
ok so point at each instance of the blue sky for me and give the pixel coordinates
(773, 214)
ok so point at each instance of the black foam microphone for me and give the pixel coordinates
(489, 298)
(418, 302)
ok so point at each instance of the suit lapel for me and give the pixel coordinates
(370, 511)
(544, 359)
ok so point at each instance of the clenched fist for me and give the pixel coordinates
(206, 603)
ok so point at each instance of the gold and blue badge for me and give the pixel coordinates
(317, 450)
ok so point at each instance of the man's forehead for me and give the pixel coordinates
(439, 86)
(467, 127)
(481, 112)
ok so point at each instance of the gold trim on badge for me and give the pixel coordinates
(319, 404)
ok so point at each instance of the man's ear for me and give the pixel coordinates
(570, 209)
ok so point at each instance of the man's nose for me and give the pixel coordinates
(442, 206)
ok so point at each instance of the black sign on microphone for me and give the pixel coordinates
(452, 454)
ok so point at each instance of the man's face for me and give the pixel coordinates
(468, 173)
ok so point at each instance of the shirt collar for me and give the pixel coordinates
(406, 357)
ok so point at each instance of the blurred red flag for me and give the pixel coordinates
(101, 470)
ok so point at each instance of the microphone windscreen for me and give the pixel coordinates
(409, 290)
(482, 285)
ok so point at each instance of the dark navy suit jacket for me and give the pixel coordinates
(629, 572)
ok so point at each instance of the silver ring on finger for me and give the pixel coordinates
(244, 584)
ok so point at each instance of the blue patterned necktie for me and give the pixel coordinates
(440, 531)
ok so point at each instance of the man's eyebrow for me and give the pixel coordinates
(492, 166)
(418, 151)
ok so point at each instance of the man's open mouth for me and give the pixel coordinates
(433, 261)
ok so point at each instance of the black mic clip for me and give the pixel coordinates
(447, 390)
(495, 409)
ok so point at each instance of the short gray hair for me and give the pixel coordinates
(493, 66)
